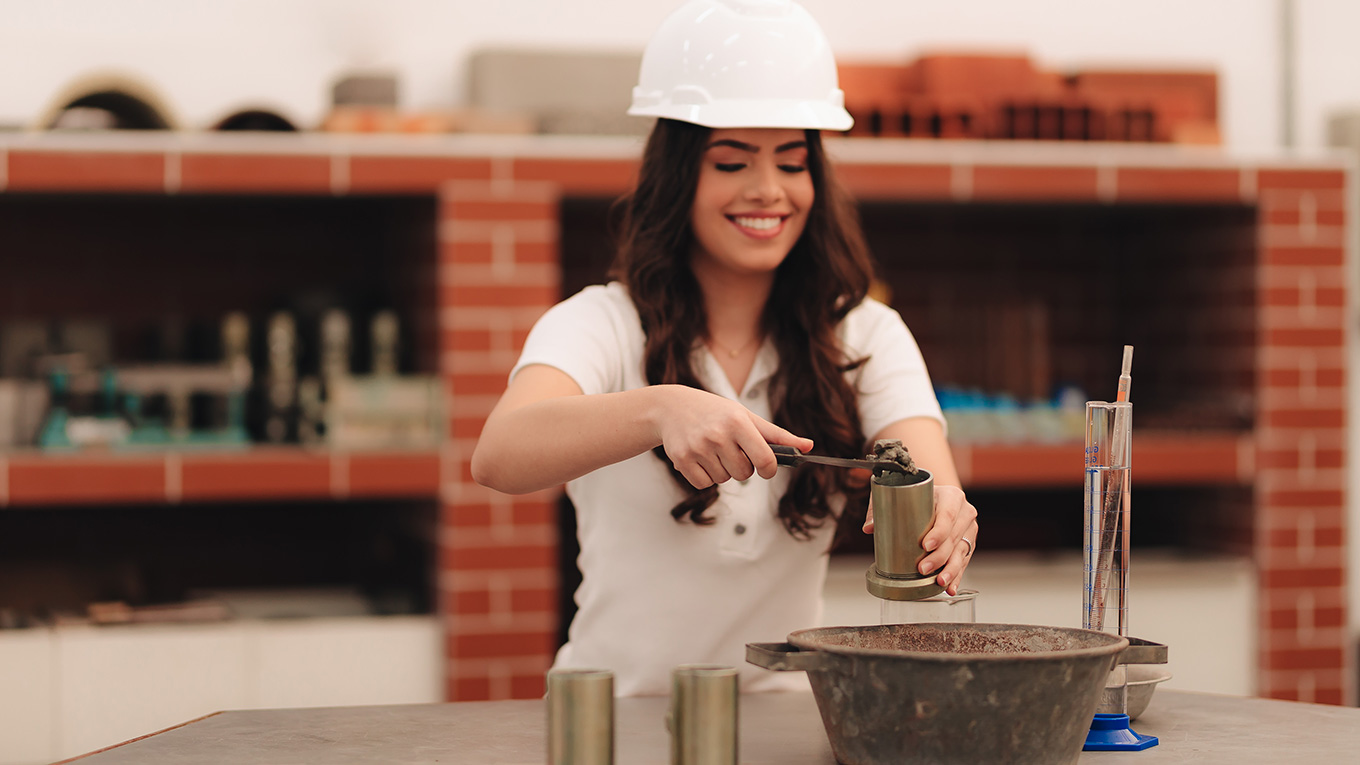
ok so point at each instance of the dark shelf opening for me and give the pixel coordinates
(60, 560)
(1022, 299)
(158, 273)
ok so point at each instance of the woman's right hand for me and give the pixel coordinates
(711, 439)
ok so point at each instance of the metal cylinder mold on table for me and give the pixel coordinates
(580, 717)
(902, 516)
(703, 715)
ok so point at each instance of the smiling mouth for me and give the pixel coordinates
(759, 226)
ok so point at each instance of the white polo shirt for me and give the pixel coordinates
(656, 593)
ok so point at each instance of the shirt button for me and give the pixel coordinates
(753, 394)
(739, 529)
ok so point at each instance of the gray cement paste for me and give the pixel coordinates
(892, 451)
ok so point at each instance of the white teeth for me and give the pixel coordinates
(758, 223)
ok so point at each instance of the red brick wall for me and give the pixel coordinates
(1301, 437)
(1006, 97)
(498, 271)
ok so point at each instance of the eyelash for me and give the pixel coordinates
(732, 167)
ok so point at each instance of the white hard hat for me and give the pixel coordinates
(741, 63)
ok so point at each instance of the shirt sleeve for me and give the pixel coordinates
(582, 337)
(893, 383)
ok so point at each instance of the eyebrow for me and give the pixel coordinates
(752, 148)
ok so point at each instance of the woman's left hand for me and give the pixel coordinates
(950, 541)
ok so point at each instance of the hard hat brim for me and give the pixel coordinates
(771, 113)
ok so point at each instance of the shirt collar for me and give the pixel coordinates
(711, 374)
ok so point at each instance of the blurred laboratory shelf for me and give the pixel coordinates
(69, 690)
(1160, 458)
(262, 472)
(1202, 606)
(283, 472)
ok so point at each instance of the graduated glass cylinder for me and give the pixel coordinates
(958, 609)
(1109, 431)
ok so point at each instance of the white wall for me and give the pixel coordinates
(74, 689)
(211, 57)
(1328, 77)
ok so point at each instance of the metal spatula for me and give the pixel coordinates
(791, 457)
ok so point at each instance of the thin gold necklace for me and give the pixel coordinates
(713, 341)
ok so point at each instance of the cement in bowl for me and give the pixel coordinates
(1143, 680)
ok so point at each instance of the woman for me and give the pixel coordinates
(738, 318)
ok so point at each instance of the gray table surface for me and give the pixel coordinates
(782, 728)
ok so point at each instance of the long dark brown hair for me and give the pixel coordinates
(826, 274)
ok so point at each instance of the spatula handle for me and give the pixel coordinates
(786, 455)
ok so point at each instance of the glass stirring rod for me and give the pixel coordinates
(1125, 378)
(1111, 520)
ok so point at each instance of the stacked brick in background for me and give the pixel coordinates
(1183, 105)
(1007, 97)
(498, 272)
(1301, 436)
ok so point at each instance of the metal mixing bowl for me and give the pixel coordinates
(951, 694)
(1143, 680)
